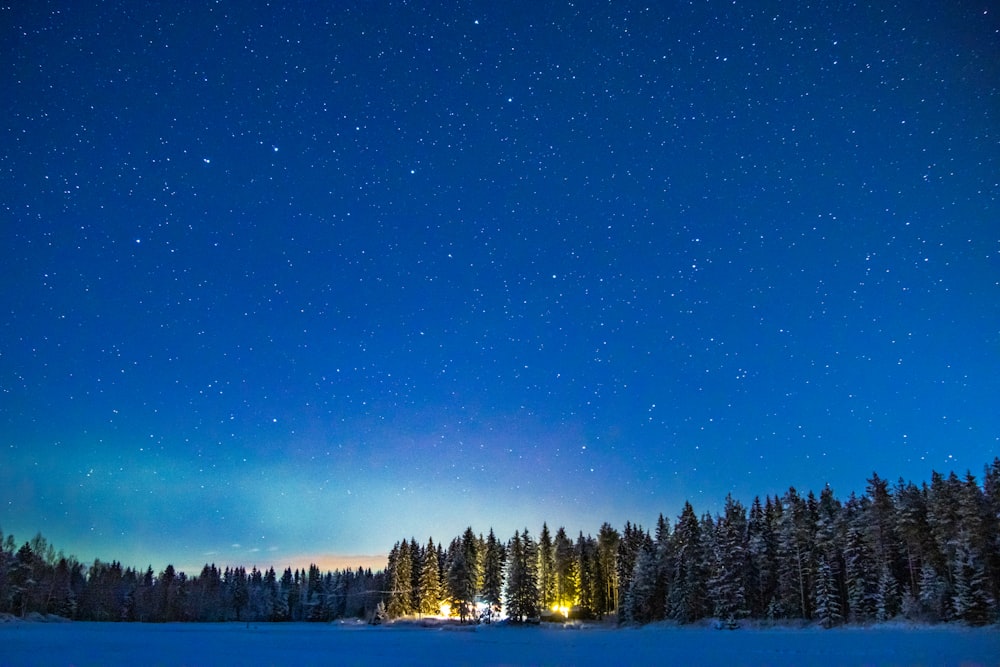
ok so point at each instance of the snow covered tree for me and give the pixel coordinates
(20, 581)
(827, 597)
(546, 568)
(932, 594)
(663, 556)
(887, 598)
(7, 549)
(464, 573)
(632, 540)
(494, 560)
(688, 600)
(566, 574)
(430, 582)
(638, 605)
(762, 553)
(522, 577)
(880, 523)
(796, 533)
(586, 557)
(912, 529)
(991, 526)
(943, 499)
(416, 568)
(606, 572)
(63, 597)
(727, 581)
(400, 576)
(237, 591)
(859, 566)
(971, 600)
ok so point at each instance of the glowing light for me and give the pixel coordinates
(560, 609)
(445, 609)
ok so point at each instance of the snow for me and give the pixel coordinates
(79, 643)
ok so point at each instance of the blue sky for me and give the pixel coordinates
(295, 281)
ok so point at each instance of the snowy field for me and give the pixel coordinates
(108, 644)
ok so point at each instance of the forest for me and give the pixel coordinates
(927, 553)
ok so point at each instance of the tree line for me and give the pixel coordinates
(929, 553)
(35, 579)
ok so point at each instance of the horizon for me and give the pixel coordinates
(330, 562)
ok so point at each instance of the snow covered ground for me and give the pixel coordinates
(408, 644)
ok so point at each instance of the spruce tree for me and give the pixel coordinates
(586, 557)
(727, 581)
(887, 598)
(638, 605)
(632, 539)
(859, 567)
(827, 598)
(991, 526)
(430, 583)
(912, 528)
(400, 575)
(797, 564)
(931, 596)
(566, 575)
(663, 559)
(607, 570)
(546, 569)
(494, 560)
(762, 550)
(688, 591)
(522, 577)
(971, 600)
(464, 573)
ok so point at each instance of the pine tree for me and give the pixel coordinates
(762, 549)
(943, 520)
(796, 563)
(464, 573)
(991, 526)
(688, 591)
(887, 599)
(546, 569)
(430, 583)
(638, 605)
(522, 577)
(663, 560)
(858, 566)
(586, 556)
(971, 600)
(912, 528)
(315, 596)
(400, 575)
(607, 570)
(632, 540)
(827, 597)
(22, 582)
(416, 566)
(63, 599)
(494, 560)
(566, 572)
(932, 594)
(880, 522)
(727, 581)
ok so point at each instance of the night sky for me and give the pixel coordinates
(291, 281)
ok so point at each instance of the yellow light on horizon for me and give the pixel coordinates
(445, 609)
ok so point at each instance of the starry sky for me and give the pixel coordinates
(287, 282)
